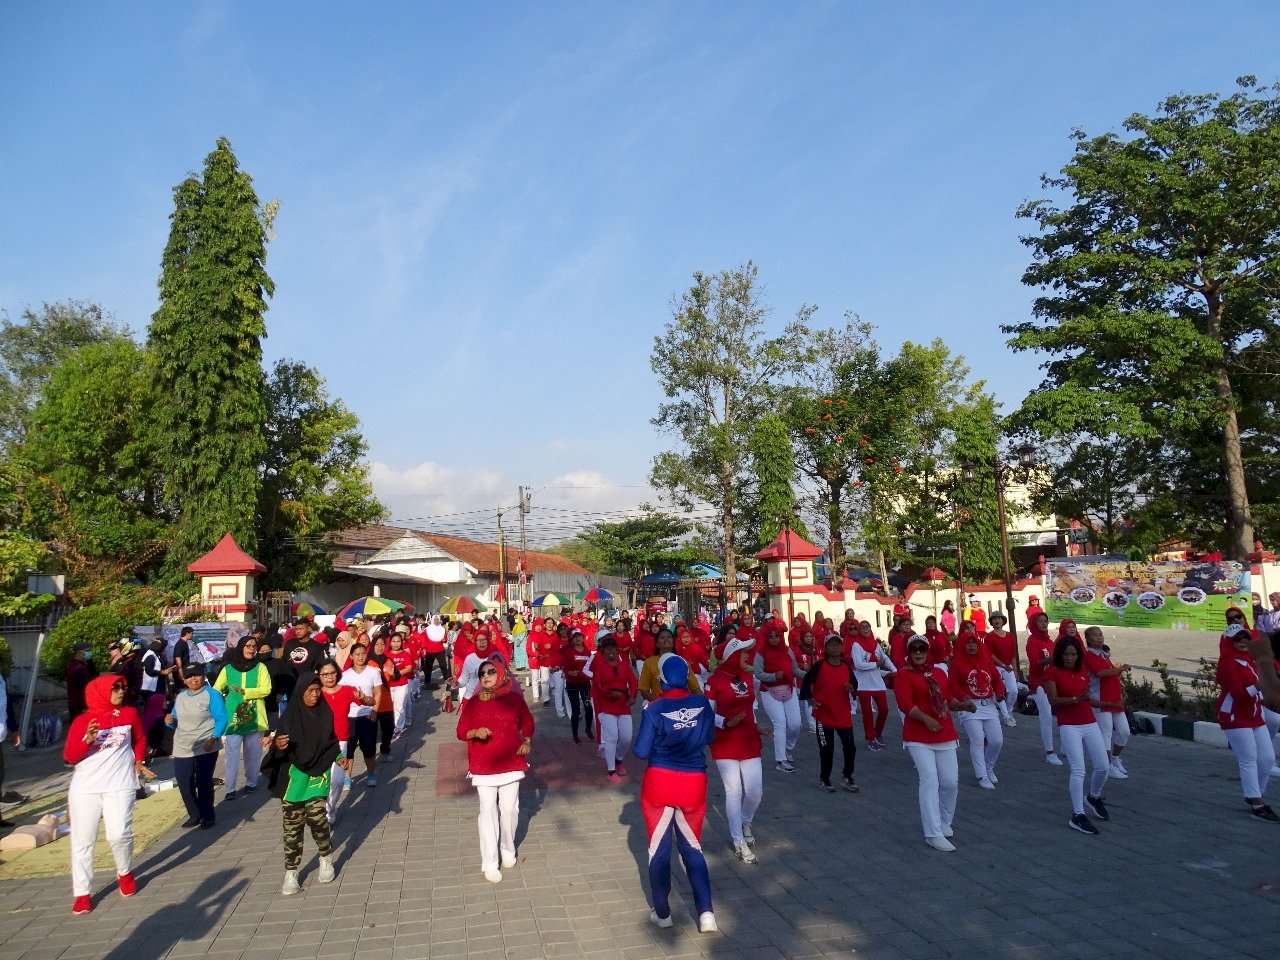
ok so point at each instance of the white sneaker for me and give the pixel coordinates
(747, 835)
(290, 885)
(1116, 772)
(947, 831)
(1009, 721)
(707, 923)
(508, 863)
(790, 757)
(986, 784)
(663, 922)
(784, 766)
(940, 843)
(743, 852)
(325, 874)
(991, 775)
(1053, 760)
(1125, 770)
(493, 875)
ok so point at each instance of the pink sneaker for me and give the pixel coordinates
(614, 778)
(622, 771)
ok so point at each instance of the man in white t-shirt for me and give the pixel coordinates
(367, 681)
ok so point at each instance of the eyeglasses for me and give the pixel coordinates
(489, 673)
(119, 686)
(328, 673)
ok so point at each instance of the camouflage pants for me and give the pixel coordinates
(309, 813)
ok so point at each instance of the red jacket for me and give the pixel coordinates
(509, 722)
(1038, 645)
(1240, 700)
(911, 689)
(607, 677)
(734, 696)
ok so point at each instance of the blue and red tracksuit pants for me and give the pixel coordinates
(674, 804)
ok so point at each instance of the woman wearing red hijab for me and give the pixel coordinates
(497, 727)
(107, 746)
(974, 677)
(929, 735)
(1240, 717)
(807, 656)
(1039, 656)
(691, 650)
(737, 746)
(1066, 683)
(775, 669)
(868, 660)
(613, 690)
(940, 649)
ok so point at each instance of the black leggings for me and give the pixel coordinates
(387, 727)
(435, 659)
(579, 707)
(827, 751)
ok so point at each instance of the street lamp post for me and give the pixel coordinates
(1025, 459)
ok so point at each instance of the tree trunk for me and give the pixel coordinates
(837, 534)
(1239, 518)
(730, 564)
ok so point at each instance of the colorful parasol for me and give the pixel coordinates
(304, 609)
(595, 595)
(371, 607)
(552, 600)
(461, 604)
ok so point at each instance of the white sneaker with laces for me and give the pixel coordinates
(325, 874)
(986, 784)
(508, 863)
(991, 775)
(1053, 760)
(747, 835)
(1010, 721)
(1116, 772)
(743, 852)
(707, 923)
(290, 885)
(663, 922)
(784, 766)
(947, 831)
(940, 843)
(493, 875)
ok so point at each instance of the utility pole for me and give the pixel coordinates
(502, 567)
(524, 499)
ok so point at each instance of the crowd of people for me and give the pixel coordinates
(292, 705)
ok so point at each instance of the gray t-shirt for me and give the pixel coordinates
(198, 714)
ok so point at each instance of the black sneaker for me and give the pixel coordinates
(190, 822)
(1081, 822)
(231, 795)
(823, 785)
(849, 785)
(1098, 807)
(1263, 812)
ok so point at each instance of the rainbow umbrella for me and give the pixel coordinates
(552, 600)
(461, 604)
(595, 595)
(304, 609)
(371, 607)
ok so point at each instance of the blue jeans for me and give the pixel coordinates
(195, 783)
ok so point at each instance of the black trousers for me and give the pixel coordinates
(435, 659)
(195, 783)
(827, 750)
(579, 706)
(386, 727)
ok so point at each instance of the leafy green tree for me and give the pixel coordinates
(1160, 280)
(33, 346)
(775, 469)
(206, 347)
(314, 476)
(649, 543)
(20, 552)
(94, 452)
(976, 429)
(1098, 480)
(719, 371)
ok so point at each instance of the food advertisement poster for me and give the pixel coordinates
(1171, 595)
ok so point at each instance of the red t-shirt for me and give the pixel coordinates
(607, 677)
(898, 649)
(1071, 683)
(831, 704)
(911, 689)
(1038, 645)
(402, 660)
(573, 663)
(1109, 688)
(340, 700)
(734, 696)
(1004, 649)
(509, 722)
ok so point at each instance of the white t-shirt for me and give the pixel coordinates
(109, 764)
(149, 683)
(366, 681)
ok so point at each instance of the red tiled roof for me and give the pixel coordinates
(226, 557)
(482, 556)
(801, 549)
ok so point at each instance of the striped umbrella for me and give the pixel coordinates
(371, 607)
(595, 595)
(462, 604)
(304, 609)
(552, 600)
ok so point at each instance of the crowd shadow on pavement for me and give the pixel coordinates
(191, 918)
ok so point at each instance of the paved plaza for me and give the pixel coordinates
(1181, 871)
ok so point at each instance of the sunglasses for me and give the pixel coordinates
(119, 686)
(489, 673)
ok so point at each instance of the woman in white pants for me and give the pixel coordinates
(1106, 693)
(1003, 647)
(776, 672)
(245, 683)
(107, 746)
(737, 746)
(1039, 656)
(975, 678)
(1066, 682)
(613, 690)
(929, 736)
(1240, 716)
(497, 727)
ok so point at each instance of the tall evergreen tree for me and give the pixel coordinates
(775, 469)
(206, 342)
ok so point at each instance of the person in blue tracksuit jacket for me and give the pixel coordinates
(675, 730)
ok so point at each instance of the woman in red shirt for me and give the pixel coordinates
(399, 671)
(929, 735)
(736, 748)
(575, 662)
(613, 691)
(1066, 682)
(807, 656)
(775, 669)
(1039, 656)
(691, 650)
(829, 686)
(974, 677)
(498, 729)
(1003, 647)
(1240, 716)
(940, 648)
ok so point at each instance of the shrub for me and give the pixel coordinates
(6, 658)
(97, 626)
(1204, 689)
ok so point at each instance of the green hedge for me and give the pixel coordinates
(98, 626)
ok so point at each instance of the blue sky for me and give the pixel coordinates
(487, 208)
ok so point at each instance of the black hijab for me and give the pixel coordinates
(236, 657)
(313, 746)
